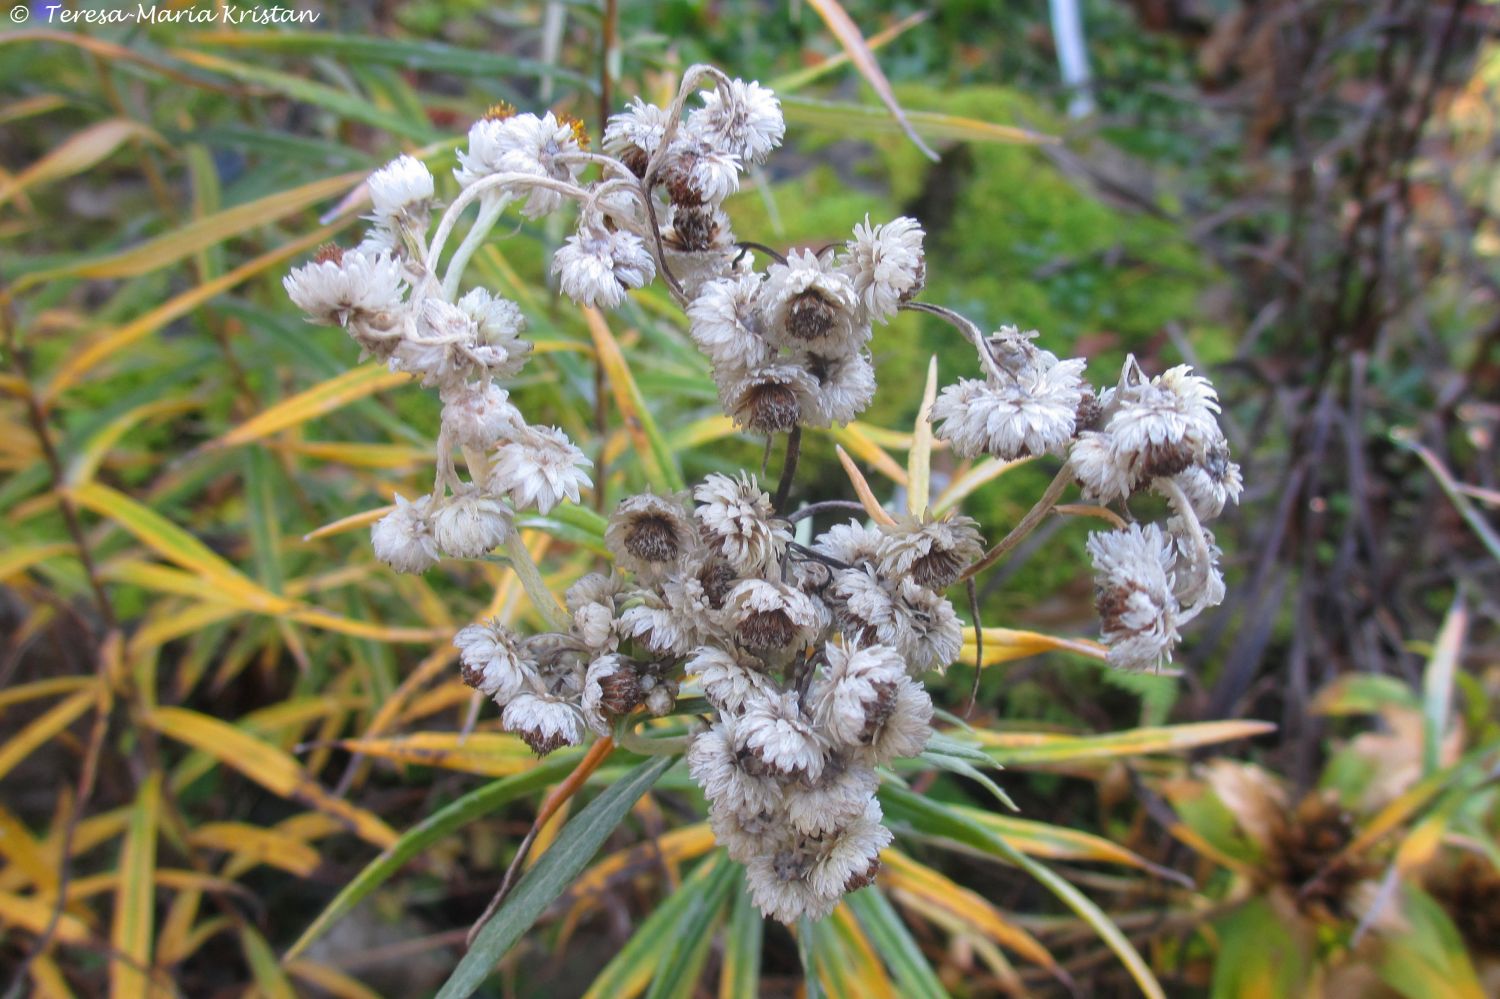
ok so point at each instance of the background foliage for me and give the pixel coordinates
(229, 746)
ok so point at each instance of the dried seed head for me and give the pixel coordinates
(650, 533)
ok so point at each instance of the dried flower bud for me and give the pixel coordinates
(403, 538)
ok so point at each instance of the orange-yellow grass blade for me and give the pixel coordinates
(856, 440)
(655, 455)
(267, 765)
(978, 474)
(199, 234)
(862, 489)
(353, 522)
(853, 41)
(44, 728)
(33, 914)
(491, 754)
(902, 872)
(135, 904)
(115, 342)
(78, 153)
(1004, 644)
(258, 845)
(325, 397)
(919, 459)
(1020, 748)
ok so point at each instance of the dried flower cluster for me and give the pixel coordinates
(810, 657)
(1159, 434)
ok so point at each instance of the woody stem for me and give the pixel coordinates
(1029, 523)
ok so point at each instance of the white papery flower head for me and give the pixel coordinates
(734, 781)
(634, 135)
(777, 733)
(1034, 412)
(767, 614)
(1196, 582)
(540, 468)
(837, 798)
(1161, 427)
(441, 350)
(1097, 468)
(650, 534)
(933, 552)
(865, 608)
(695, 173)
(770, 399)
(673, 619)
(494, 661)
(854, 544)
(596, 266)
(811, 306)
(497, 325)
(1212, 483)
(479, 415)
(523, 143)
(739, 118)
(402, 193)
(777, 880)
(544, 723)
(905, 730)
(732, 679)
(886, 264)
(470, 524)
(725, 322)
(857, 693)
(591, 601)
(403, 538)
(848, 859)
(611, 688)
(738, 522)
(846, 386)
(1133, 585)
(744, 835)
(343, 287)
(930, 634)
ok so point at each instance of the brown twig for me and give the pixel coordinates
(1034, 516)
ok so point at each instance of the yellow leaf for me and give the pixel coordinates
(87, 458)
(33, 915)
(25, 855)
(135, 907)
(639, 423)
(858, 441)
(196, 235)
(853, 41)
(330, 980)
(22, 557)
(268, 766)
(1003, 644)
(357, 455)
(353, 522)
(257, 844)
(357, 383)
(862, 489)
(78, 153)
(1048, 747)
(24, 692)
(982, 472)
(177, 546)
(115, 342)
(489, 753)
(906, 874)
(43, 728)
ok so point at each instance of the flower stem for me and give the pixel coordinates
(535, 587)
(1029, 523)
(965, 326)
(489, 213)
(628, 739)
(788, 467)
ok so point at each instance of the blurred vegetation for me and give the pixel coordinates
(217, 732)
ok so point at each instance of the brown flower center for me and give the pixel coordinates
(938, 569)
(773, 407)
(864, 878)
(766, 629)
(810, 316)
(652, 538)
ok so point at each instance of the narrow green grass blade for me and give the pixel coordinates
(459, 813)
(579, 840)
(915, 978)
(740, 975)
(681, 963)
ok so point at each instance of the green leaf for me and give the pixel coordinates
(446, 820)
(1259, 955)
(681, 961)
(812, 985)
(1426, 959)
(962, 767)
(740, 972)
(1437, 683)
(915, 978)
(580, 839)
(936, 819)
